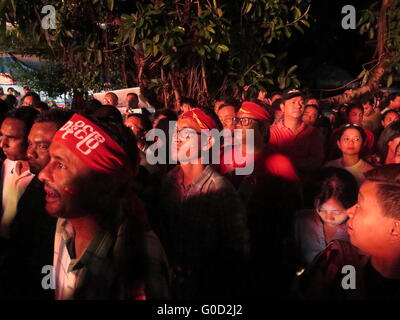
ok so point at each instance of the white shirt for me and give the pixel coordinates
(15, 177)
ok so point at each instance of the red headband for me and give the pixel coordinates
(253, 110)
(94, 147)
(202, 119)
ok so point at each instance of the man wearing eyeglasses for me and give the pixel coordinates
(303, 144)
(265, 192)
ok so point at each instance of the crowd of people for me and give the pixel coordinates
(80, 194)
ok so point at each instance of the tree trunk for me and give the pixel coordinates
(379, 70)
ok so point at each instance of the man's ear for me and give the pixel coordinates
(209, 144)
(396, 229)
(282, 106)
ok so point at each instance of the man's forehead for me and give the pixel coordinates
(45, 129)
(11, 124)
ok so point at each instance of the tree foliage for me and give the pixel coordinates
(177, 47)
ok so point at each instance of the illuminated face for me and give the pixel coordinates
(109, 99)
(356, 116)
(332, 212)
(28, 101)
(395, 104)
(135, 124)
(39, 141)
(389, 118)
(186, 141)
(368, 109)
(226, 115)
(13, 140)
(245, 123)
(310, 116)
(369, 229)
(60, 181)
(350, 142)
(293, 108)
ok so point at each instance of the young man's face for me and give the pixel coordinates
(109, 99)
(356, 116)
(293, 108)
(395, 104)
(13, 140)
(39, 141)
(368, 109)
(186, 141)
(28, 101)
(226, 115)
(310, 116)
(369, 229)
(60, 178)
(246, 124)
(389, 118)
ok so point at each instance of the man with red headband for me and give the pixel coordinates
(204, 221)
(101, 250)
(271, 192)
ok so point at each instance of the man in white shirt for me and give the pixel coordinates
(15, 174)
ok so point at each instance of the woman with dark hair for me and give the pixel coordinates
(350, 140)
(336, 191)
(387, 143)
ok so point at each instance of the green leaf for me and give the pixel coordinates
(155, 51)
(223, 48)
(248, 8)
(110, 4)
(292, 69)
(167, 60)
(99, 56)
(389, 80)
(288, 33)
(210, 29)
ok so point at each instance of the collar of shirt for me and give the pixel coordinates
(194, 187)
(96, 251)
(302, 127)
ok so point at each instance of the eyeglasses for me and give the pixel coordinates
(244, 121)
(334, 212)
(347, 139)
(185, 134)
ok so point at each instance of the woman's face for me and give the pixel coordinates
(350, 143)
(332, 212)
(310, 116)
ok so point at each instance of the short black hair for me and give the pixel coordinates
(26, 115)
(336, 183)
(354, 106)
(147, 125)
(57, 116)
(191, 102)
(34, 95)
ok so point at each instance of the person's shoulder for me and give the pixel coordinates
(219, 182)
(279, 164)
